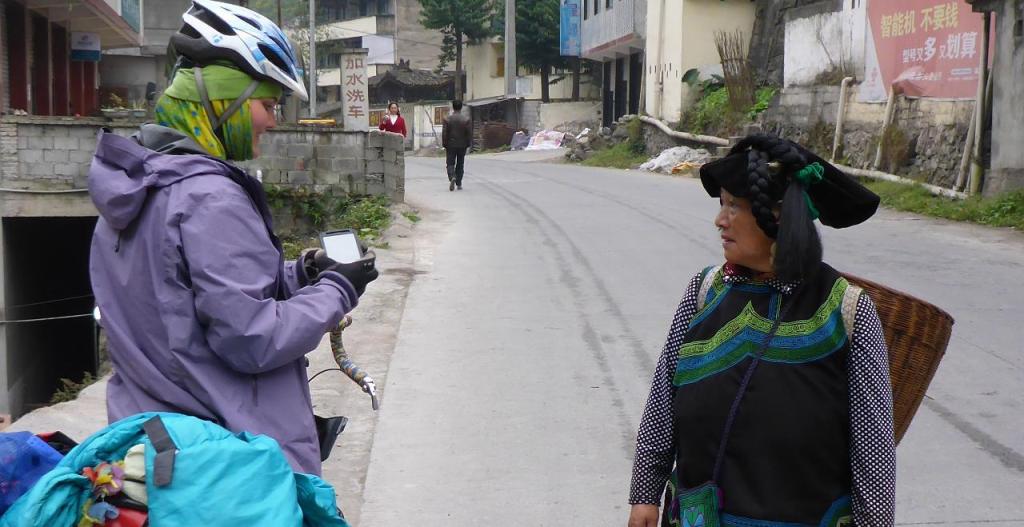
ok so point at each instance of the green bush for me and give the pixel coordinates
(636, 137)
(711, 114)
(367, 215)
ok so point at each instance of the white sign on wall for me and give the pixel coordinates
(85, 47)
(355, 94)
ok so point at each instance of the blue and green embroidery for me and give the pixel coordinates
(795, 342)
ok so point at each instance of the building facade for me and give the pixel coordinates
(614, 33)
(1006, 170)
(389, 29)
(681, 37)
(43, 71)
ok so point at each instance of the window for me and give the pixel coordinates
(586, 8)
(499, 66)
(597, 7)
(440, 112)
(607, 4)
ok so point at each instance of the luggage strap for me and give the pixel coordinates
(163, 464)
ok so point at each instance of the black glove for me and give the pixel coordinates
(315, 262)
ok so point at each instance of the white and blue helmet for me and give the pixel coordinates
(215, 31)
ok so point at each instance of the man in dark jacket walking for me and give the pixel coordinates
(456, 136)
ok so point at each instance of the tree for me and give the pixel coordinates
(458, 20)
(537, 40)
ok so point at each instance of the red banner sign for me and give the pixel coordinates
(931, 48)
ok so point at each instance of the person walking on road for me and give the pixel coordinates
(203, 314)
(456, 136)
(771, 403)
(393, 122)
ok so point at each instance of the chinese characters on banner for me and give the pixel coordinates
(930, 47)
(355, 99)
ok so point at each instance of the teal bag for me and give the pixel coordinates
(197, 473)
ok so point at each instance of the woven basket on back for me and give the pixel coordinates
(917, 334)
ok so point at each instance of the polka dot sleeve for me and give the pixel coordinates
(872, 447)
(655, 451)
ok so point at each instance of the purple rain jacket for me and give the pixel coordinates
(203, 316)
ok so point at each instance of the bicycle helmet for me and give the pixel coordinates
(215, 31)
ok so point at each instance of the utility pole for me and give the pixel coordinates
(279, 25)
(510, 48)
(312, 59)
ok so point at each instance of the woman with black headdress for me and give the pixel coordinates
(771, 404)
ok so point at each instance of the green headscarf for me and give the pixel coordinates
(181, 108)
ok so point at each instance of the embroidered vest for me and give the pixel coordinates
(787, 458)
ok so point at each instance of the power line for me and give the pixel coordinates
(68, 299)
(26, 320)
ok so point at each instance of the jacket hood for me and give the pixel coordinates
(125, 169)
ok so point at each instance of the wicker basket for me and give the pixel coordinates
(917, 334)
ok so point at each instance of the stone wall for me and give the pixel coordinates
(934, 130)
(54, 153)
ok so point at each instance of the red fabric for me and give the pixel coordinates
(398, 127)
(128, 518)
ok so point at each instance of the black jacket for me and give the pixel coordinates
(457, 131)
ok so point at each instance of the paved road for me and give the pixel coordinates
(528, 342)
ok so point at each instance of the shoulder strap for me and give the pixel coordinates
(851, 297)
(705, 285)
(720, 456)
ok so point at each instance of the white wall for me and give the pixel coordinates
(559, 113)
(817, 44)
(681, 37)
(426, 132)
(482, 80)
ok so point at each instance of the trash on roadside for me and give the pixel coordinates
(520, 140)
(546, 140)
(669, 159)
(687, 168)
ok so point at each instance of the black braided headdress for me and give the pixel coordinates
(770, 163)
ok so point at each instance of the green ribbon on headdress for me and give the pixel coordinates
(810, 175)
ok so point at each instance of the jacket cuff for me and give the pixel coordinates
(300, 270)
(335, 279)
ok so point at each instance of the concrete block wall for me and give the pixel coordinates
(324, 157)
(54, 153)
(50, 153)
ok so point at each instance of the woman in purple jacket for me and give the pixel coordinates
(204, 316)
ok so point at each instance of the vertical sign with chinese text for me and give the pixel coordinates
(355, 97)
(931, 48)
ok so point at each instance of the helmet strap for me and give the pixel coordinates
(217, 121)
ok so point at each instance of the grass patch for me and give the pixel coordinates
(412, 216)
(369, 216)
(621, 155)
(70, 389)
(1005, 210)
